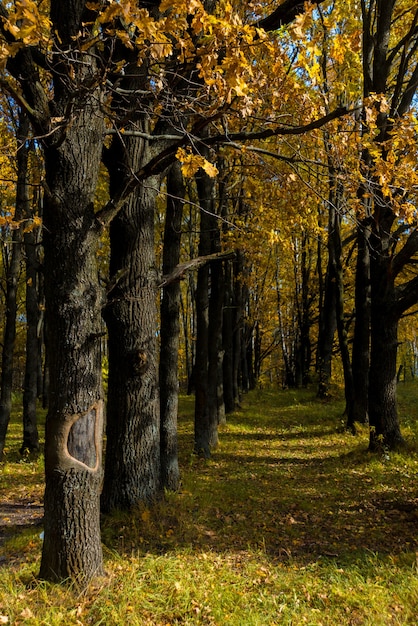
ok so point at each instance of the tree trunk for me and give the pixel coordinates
(341, 326)
(360, 358)
(238, 328)
(227, 341)
(328, 318)
(383, 415)
(170, 330)
(73, 446)
(215, 354)
(205, 425)
(13, 272)
(30, 390)
(132, 465)
(303, 349)
(328, 325)
(12, 267)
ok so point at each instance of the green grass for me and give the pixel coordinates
(291, 522)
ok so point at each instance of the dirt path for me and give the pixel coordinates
(18, 514)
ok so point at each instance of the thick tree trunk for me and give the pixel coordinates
(170, 331)
(132, 464)
(73, 446)
(383, 415)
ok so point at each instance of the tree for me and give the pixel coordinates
(170, 330)
(13, 270)
(69, 122)
(390, 37)
(61, 67)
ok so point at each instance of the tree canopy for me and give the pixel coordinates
(272, 148)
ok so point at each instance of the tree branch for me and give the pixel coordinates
(163, 159)
(284, 14)
(180, 270)
(406, 295)
(406, 253)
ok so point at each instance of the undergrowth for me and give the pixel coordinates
(291, 521)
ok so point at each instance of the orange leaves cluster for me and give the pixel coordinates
(28, 24)
(191, 163)
(133, 26)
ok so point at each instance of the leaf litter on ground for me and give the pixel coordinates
(291, 521)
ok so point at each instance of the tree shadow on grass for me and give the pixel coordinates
(300, 498)
(17, 518)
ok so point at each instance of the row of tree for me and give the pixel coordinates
(273, 150)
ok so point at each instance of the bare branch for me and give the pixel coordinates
(180, 270)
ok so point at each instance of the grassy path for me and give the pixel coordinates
(291, 522)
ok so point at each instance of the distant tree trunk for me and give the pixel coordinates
(328, 319)
(360, 360)
(13, 268)
(187, 318)
(341, 326)
(227, 341)
(238, 329)
(328, 325)
(203, 429)
(288, 379)
(254, 355)
(215, 355)
(170, 330)
(205, 421)
(303, 349)
(13, 272)
(30, 389)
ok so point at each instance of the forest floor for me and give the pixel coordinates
(291, 521)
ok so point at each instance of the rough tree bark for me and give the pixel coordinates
(132, 462)
(170, 330)
(73, 446)
(68, 119)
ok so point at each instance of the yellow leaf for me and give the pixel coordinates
(210, 169)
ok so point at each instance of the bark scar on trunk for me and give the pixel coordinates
(82, 436)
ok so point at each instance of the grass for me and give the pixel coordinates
(291, 522)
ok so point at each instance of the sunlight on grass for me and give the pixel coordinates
(291, 521)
